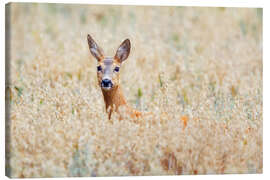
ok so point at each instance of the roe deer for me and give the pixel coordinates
(108, 77)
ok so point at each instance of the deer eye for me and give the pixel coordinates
(116, 69)
(99, 68)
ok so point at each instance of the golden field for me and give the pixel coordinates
(201, 67)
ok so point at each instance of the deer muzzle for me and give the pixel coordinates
(106, 84)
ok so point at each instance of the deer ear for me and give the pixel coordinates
(123, 51)
(96, 51)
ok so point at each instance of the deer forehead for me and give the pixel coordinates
(109, 61)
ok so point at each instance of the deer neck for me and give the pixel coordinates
(113, 99)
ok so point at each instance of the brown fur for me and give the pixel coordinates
(113, 98)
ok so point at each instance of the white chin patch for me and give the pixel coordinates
(107, 88)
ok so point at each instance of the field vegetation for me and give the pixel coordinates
(201, 67)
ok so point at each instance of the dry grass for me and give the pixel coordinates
(203, 66)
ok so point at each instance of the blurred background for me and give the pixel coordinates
(200, 65)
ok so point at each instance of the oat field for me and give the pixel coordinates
(199, 70)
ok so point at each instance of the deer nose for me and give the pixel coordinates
(106, 83)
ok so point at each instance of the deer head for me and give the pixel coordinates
(108, 67)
